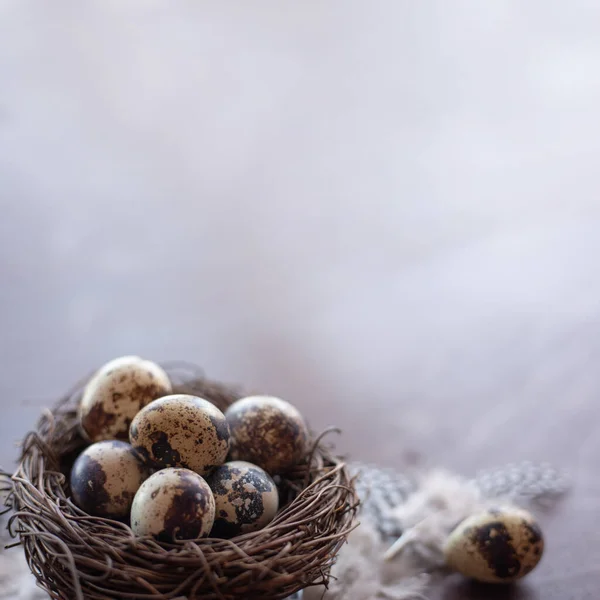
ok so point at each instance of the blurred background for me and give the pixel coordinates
(385, 212)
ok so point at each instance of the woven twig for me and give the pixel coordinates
(76, 556)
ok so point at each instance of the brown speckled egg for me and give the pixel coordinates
(105, 478)
(268, 432)
(495, 546)
(173, 504)
(116, 393)
(246, 498)
(181, 431)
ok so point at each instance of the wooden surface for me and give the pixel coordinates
(385, 212)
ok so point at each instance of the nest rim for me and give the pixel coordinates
(77, 556)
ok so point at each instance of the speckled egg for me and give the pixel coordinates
(246, 498)
(116, 393)
(268, 432)
(105, 478)
(181, 431)
(173, 504)
(496, 546)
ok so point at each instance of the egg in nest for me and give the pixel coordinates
(105, 478)
(116, 393)
(246, 499)
(495, 546)
(181, 431)
(173, 504)
(268, 432)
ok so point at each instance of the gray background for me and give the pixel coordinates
(386, 212)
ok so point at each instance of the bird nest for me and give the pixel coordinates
(76, 556)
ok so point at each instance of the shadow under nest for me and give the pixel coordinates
(77, 556)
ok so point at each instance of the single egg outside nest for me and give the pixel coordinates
(496, 546)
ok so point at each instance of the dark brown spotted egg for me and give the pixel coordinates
(181, 431)
(105, 478)
(495, 546)
(173, 504)
(246, 498)
(268, 432)
(116, 393)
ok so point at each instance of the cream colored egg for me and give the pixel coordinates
(173, 504)
(116, 393)
(246, 498)
(105, 478)
(495, 546)
(268, 432)
(181, 431)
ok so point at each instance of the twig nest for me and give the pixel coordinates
(116, 393)
(173, 504)
(181, 431)
(105, 478)
(495, 546)
(268, 432)
(74, 556)
(246, 498)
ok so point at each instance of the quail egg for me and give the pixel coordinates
(181, 431)
(496, 546)
(246, 498)
(116, 393)
(173, 504)
(105, 478)
(268, 432)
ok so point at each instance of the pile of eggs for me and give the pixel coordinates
(174, 465)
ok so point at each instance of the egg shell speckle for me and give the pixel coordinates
(173, 504)
(116, 393)
(181, 431)
(105, 478)
(268, 432)
(246, 499)
(496, 546)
